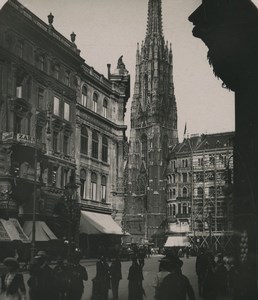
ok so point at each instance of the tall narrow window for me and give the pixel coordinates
(184, 192)
(184, 177)
(83, 184)
(84, 96)
(40, 98)
(67, 78)
(95, 102)
(19, 91)
(184, 208)
(105, 108)
(94, 186)
(84, 140)
(174, 210)
(56, 106)
(95, 144)
(66, 145)
(66, 111)
(144, 147)
(55, 141)
(104, 149)
(56, 72)
(65, 176)
(103, 189)
(41, 62)
(179, 209)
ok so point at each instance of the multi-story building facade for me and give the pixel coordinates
(153, 130)
(198, 189)
(61, 122)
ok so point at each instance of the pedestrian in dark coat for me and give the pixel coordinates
(209, 284)
(116, 276)
(175, 285)
(221, 278)
(12, 282)
(201, 266)
(135, 277)
(61, 275)
(101, 283)
(42, 282)
(77, 274)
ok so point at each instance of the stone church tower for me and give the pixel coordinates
(153, 130)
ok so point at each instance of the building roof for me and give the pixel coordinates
(203, 142)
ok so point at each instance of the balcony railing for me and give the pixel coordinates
(96, 205)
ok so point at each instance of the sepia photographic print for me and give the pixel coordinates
(128, 149)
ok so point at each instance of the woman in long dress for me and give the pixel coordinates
(135, 277)
(13, 287)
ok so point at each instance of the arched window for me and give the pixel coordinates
(185, 192)
(84, 140)
(144, 147)
(83, 184)
(95, 102)
(200, 191)
(105, 105)
(95, 144)
(184, 208)
(170, 194)
(104, 189)
(104, 149)
(174, 193)
(94, 186)
(84, 96)
(179, 208)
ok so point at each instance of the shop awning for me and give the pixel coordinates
(96, 223)
(177, 241)
(42, 231)
(10, 230)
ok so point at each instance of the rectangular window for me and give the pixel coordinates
(103, 193)
(41, 63)
(94, 191)
(66, 145)
(83, 189)
(56, 106)
(65, 177)
(104, 153)
(66, 111)
(40, 98)
(19, 91)
(84, 100)
(105, 112)
(55, 141)
(67, 78)
(95, 106)
(95, 149)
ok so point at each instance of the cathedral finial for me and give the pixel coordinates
(154, 23)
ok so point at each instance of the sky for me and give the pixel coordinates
(107, 29)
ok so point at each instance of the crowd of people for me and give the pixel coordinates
(221, 277)
(218, 278)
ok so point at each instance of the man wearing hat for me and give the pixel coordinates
(163, 272)
(175, 285)
(12, 282)
(42, 281)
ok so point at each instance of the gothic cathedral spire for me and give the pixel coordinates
(153, 129)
